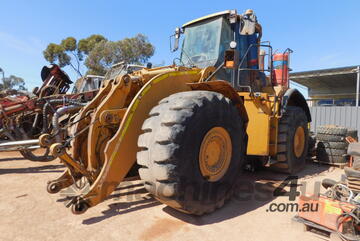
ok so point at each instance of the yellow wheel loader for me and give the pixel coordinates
(191, 126)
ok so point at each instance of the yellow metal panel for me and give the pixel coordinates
(259, 110)
(115, 98)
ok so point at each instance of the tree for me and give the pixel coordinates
(101, 57)
(13, 83)
(70, 52)
(88, 44)
(97, 53)
(136, 50)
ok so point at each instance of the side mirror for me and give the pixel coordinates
(177, 39)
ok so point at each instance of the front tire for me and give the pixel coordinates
(192, 151)
(293, 137)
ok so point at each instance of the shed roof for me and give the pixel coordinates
(328, 81)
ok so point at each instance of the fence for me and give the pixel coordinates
(348, 116)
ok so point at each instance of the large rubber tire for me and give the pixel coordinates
(329, 138)
(322, 155)
(335, 152)
(332, 130)
(287, 162)
(170, 144)
(325, 146)
(334, 145)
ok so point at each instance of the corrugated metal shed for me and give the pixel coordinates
(348, 116)
(335, 83)
(328, 82)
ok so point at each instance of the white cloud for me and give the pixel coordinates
(31, 45)
(331, 56)
(332, 59)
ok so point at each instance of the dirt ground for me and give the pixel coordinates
(28, 212)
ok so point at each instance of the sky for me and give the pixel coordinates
(322, 33)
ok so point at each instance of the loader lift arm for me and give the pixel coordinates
(120, 151)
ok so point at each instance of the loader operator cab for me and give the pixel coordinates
(87, 83)
(206, 41)
(121, 68)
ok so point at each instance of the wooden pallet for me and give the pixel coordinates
(317, 230)
(339, 165)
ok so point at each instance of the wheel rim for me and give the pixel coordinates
(215, 154)
(299, 141)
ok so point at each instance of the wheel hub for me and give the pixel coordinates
(299, 141)
(215, 154)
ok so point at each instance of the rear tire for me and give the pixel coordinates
(328, 155)
(170, 150)
(329, 138)
(332, 130)
(290, 160)
(334, 145)
(323, 157)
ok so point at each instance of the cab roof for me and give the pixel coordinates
(226, 12)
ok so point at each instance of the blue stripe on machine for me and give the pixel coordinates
(278, 63)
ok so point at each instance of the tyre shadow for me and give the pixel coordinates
(129, 196)
(11, 159)
(253, 190)
(39, 169)
(134, 200)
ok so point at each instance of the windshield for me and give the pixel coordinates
(115, 71)
(87, 83)
(201, 43)
(121, 69)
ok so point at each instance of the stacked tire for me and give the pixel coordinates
(331, 146)
(312, 146)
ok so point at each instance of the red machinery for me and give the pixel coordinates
(336, 211)
(328, 211)
(28, 118)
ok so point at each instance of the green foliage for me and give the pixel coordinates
(101, 57)
(69, 44)
(64, 54)
(88, 44)
(97, 53)
(55, 53)
(12, 83)
(136, 50)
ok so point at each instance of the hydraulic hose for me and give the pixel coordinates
(49, 104)
(60, 112)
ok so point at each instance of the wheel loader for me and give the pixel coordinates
(190, 127)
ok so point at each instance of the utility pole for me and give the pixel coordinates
(3, 74)
(357, 86)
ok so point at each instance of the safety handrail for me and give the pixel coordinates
(270, 66)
